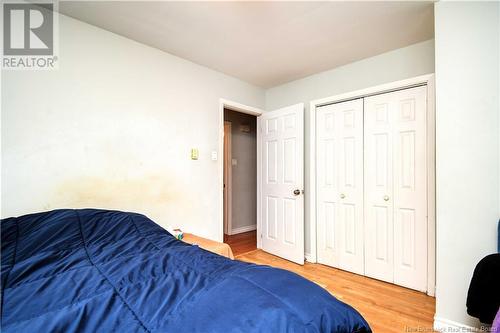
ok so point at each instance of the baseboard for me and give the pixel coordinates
(310, 258)
(246, 228)
(446, 325)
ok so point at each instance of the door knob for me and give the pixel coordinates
(296, 192)
(342, 196)
(386, 198)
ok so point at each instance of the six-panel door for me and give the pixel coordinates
(340, 185)
(372, 188)
(281, 139)
(379, 209)
(396, 187)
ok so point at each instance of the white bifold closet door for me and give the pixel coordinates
(396, 187)
(340, 185)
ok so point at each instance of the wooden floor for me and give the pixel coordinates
(242, 243)
(386, 307)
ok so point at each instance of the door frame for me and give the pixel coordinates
(423, 80)
(233, 106)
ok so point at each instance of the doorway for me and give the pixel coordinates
(240, 181)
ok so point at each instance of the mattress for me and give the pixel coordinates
(108, 271)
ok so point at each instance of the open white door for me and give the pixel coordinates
(281, 170)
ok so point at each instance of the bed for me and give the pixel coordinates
(108, 271)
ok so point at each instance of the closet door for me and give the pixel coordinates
(410, 188)
(396, 187)
(340, 185)
(379, 226)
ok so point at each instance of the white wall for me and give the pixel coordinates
(113, 128)
(399, 64)
(244, 173)
(467, 128)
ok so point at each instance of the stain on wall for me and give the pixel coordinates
(153, 195)
(113, 128)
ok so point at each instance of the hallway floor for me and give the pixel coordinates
(242, 243)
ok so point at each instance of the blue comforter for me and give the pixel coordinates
(107, 271)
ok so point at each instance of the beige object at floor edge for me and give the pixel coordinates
(222, 249)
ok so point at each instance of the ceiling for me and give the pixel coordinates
(264, 43)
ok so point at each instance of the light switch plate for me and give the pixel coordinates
(234, 161)
(214, 155)
(194, 153)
